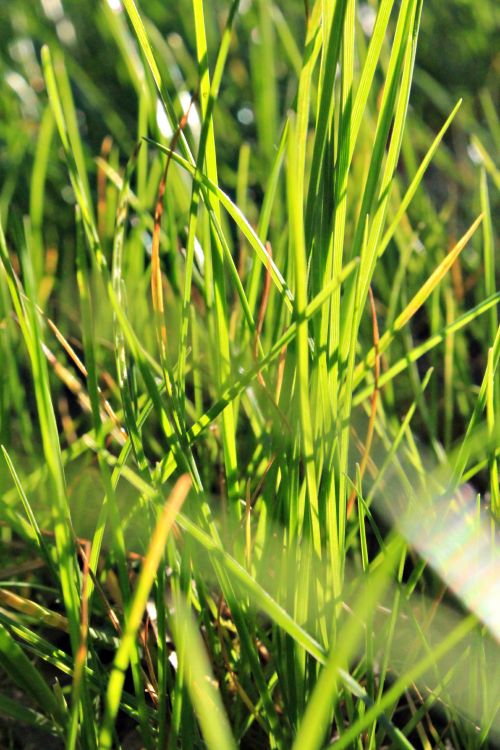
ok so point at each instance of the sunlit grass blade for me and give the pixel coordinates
(415, 183)
(420, 350)
(298, 254)
(241, 222)
(400, 685)
(420, 297)
(262, 599)
(145, 47)
(314, 723)
(234, 389)
(205, 697)
(138, 605)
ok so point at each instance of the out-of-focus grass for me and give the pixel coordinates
(249, 250)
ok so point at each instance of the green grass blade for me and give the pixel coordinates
(26, 676)
(137, 607)
(194, 663)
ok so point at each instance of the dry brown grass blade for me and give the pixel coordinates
(49, 278)
(32, 609)
(138, 605)
(28, 566)
(81, 367)
(280, 373)
(81, 654)
(72, 383)
(150, 679)
(67, 422)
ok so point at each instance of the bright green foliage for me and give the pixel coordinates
(250, 348)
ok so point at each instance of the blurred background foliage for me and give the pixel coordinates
(458, 56)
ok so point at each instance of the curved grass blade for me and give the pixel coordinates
(417, 300)
(422, 349)
(413, 187)
(240, 220)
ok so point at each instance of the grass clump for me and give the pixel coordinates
(248, 409)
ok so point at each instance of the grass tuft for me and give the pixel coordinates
(249, 400)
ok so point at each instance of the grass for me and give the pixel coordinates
(250, 401)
